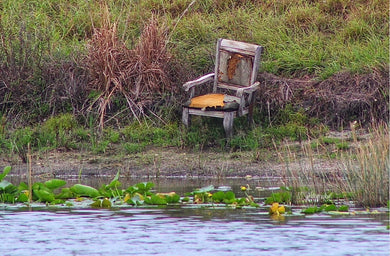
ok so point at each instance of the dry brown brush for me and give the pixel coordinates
(34, 85)
(141, 75)
(336, 101)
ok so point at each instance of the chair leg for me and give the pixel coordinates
(186, 119)
(228, 123)
(250, 115)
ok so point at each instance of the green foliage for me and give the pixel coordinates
(227, 197)
(325, 208)
(302, 39)
(218, 197)
(292, 124)
(284, 196)
(63, 122)
(42, 193)
(311, 210)
(172, 199)
(113, 189)
(342, 145)
(343, 208)
(142, 188)
(337, 196)
(138, 135)
(132, 148)
(328, 140)
(155, 200)
(330, 207)
(101, 147)
(6, 170)
(111, 135)
(66, 193)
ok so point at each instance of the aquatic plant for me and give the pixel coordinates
(112, 190)
(329, 208)
(8, 191)
(205, 195)
(283, 196)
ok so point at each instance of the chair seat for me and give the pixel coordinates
(214, 101)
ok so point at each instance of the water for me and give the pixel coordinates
(187, 231)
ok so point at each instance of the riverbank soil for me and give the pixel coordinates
(171, 162)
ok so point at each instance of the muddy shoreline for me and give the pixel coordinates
(158, 163)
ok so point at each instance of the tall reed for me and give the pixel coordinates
(362, 172)
(307, 175)
(366, 168)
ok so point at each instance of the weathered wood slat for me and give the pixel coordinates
(219, 114)
(200, 80)
(235, 87)
(239, 47)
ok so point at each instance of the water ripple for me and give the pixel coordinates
(186, 232)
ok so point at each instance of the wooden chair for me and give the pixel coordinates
(236, 68)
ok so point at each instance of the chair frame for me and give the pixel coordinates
(246, 93)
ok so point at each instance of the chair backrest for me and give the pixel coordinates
(236, 64)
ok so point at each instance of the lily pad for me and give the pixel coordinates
(84, 190)
(55, 183)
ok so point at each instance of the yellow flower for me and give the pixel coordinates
(281, 209)
(275, 209)
(243, 188)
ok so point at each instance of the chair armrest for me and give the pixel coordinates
(201, 80)
(248, 89)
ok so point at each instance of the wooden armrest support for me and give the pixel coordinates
(201, 80)
(248, 89)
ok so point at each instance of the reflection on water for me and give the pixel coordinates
(186, 230)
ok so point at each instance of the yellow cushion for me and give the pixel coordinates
(208, 100)
(214, 101)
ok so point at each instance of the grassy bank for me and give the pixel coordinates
(49, 54)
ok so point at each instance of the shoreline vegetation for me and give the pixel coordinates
(98, 85)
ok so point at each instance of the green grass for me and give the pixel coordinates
(66, 133)
(301, 37)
